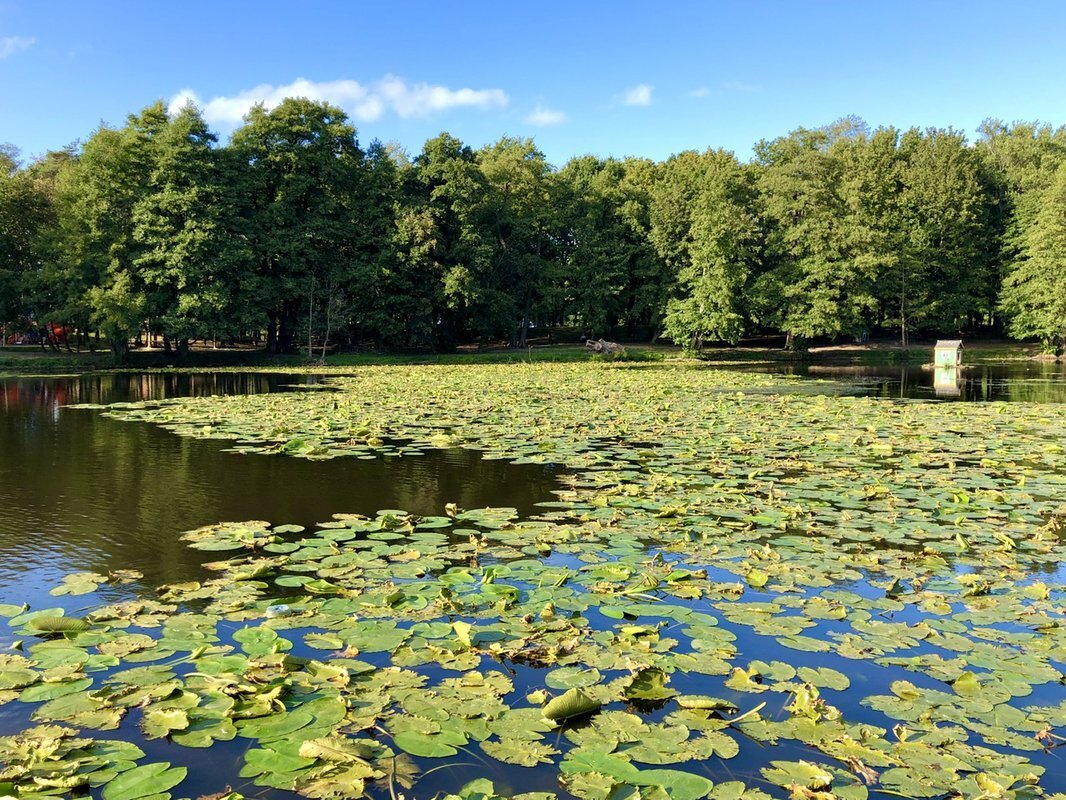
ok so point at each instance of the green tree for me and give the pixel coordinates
(301, 167)
(52, 290)
(1021, 161)
(945, 221)
(518, 215)
(441, 242)
(96, 199)
(17, 211)
(370, 288)
(185, 253)
(714, 246)
(587, 284)
(648, 282)
(818, 283)
(870, 189)
(1034, 292)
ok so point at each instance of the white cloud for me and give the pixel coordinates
(360, 101)
(9, 45)
(639, 95)
(542, 115)
(702, 91)
(181, 99)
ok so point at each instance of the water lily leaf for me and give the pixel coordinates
(522, 753)
(571, 677)
(967, 685)
(423, 744)
(260, 641)
(58, 624)
(649, 684)
(78, 583)
(17, 678)
(678, 785)
(338, 750)
(824, 677)
(147, 780)
(42, 692)
(158, 723)
(736, 790)
(706, 703)
(572, 703)
(205, 732)
(275, 726)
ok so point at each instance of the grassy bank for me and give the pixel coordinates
(23, 361)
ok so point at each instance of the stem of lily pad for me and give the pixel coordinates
(746, 714)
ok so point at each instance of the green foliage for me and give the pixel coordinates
(819, 281)
(947, 274)
(154, 230)
(1034, 293)
(708, 230)
(300, 168)
(186, 259)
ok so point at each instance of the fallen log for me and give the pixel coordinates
(605, 347)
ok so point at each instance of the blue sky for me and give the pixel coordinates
(584, 76)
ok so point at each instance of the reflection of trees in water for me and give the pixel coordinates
(49, 393)
(80, 491)
(1029, 382)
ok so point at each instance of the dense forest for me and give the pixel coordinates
(293, 235)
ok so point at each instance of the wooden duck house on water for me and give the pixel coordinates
(948, 353)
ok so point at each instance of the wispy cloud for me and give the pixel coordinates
(639, 95)
(9, 45)
(725, 87)
(543, 116)
(365, 102)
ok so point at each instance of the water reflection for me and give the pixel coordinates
(82, 492)
(947, 381)
(1022, 382)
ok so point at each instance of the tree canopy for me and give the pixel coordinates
(295, 235)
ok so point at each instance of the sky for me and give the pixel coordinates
(608, 77)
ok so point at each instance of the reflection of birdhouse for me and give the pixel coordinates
(948, 353)
(946, 381)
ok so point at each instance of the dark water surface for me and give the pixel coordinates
(1017, 382)
(79, 491)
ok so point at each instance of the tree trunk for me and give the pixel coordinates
(183, 350)
(272, 333)
(285, 335)
(310, 318)
(120, 348)
(525, 319)
(329, 319)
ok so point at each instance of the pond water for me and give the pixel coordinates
(1018, 382)
(83, 492)
(79, 491)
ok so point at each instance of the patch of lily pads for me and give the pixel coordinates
(736, 594)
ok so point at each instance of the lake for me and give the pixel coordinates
(697, 571)
(1016, 382)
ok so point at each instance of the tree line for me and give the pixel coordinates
(294, 235)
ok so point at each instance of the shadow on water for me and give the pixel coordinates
(79, 491)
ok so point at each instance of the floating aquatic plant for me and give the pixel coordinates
(845, 595)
